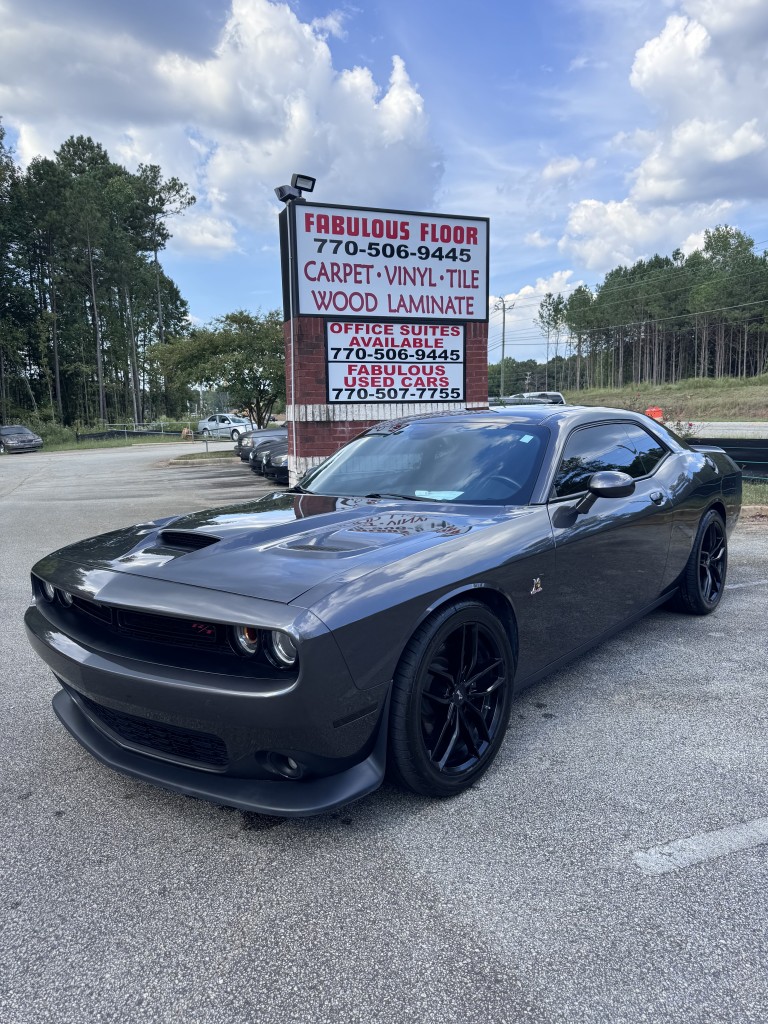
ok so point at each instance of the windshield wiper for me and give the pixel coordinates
(400, 497)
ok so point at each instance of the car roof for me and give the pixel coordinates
(556, 417)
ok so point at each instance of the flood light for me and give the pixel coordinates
(303, 182)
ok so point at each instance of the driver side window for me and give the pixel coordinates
(591, 449)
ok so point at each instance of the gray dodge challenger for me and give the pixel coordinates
(282, 655)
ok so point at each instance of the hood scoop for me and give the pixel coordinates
(336, 543)
(183, 540)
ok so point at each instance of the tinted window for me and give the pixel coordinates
(461, 461)
(592, 449)
(651, 450)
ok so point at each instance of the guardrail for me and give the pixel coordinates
(749, 453)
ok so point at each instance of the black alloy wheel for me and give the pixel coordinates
(703, 579)
(451, 700)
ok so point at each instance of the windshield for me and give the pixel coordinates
(461, 461)
(8, 431)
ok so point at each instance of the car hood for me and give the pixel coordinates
(277, 547)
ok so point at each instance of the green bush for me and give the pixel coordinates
(52, 433)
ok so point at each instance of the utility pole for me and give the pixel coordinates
(503, 306)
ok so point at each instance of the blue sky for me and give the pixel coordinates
(591, 132)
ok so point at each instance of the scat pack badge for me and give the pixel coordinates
(537, 587)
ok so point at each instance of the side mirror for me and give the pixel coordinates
(607, 483)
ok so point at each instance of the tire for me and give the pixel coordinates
(206, 432)
(235, 434)
(703, 579)
(451, 700)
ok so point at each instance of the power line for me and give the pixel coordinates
(649, 323)
(649, 278)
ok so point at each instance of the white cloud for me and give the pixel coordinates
(579, 63)
(233, 123)
(705, 81)
(566, 167)
(695, 160)
(331, 25)
(538, 241)
(602, 235)
(640, 140)
(197, 232)
(531, 294)
(676, 65)
(724, 16)
(523, 338)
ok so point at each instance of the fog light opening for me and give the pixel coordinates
(286, 766)
(66, 598)
(49, 591)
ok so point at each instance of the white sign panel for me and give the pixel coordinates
(390, 264)
(394, 362)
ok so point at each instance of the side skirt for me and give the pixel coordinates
(553, 666)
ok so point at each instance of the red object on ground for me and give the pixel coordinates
(655, 413)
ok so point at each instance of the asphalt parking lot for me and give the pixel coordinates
(611, 868)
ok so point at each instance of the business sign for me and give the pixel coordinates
(388, 264)
(382, 361)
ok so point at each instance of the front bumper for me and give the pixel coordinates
(221, 737)
(284, 799)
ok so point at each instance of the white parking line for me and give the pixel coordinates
(697, 849)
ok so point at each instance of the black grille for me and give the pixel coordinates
(161, 629)
(182, 744)
(167, 630)
(96, 611)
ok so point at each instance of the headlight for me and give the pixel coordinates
(49, 591)
(280, 460)
(246, 639)
(283, 647)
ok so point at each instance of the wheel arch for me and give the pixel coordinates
(719, 507)
(493, 599)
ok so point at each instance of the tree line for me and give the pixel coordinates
(659, 321)
(83, 294)
(92, 329)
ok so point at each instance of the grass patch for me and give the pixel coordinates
(115, 442)
(694, 399)
(198, 456)
(755, 493)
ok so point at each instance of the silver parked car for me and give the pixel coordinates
(223, 424)
(16, 438)
(552, 397)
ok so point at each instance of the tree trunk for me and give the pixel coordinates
(97, 334)
(133, 359)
